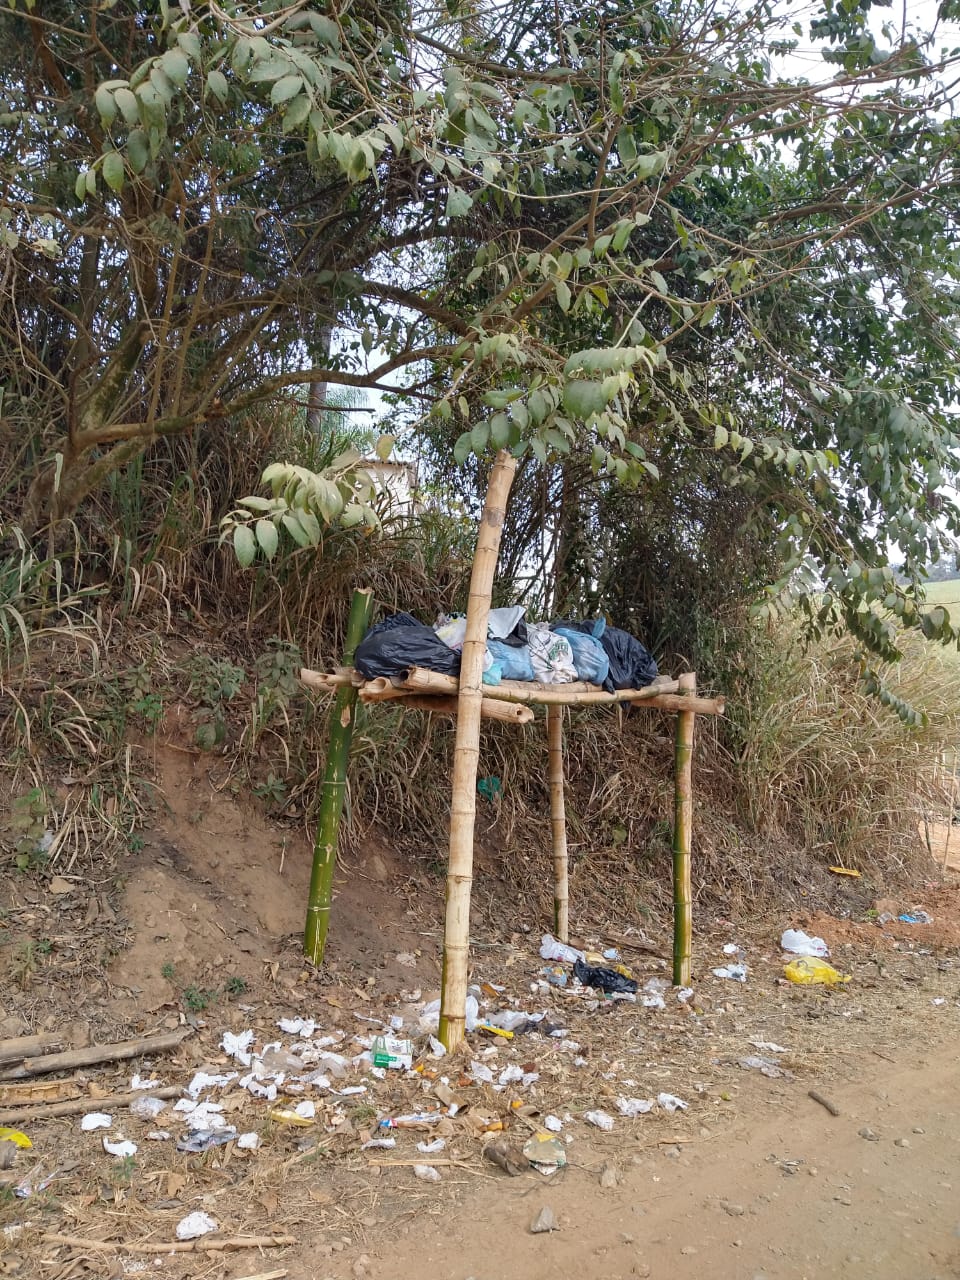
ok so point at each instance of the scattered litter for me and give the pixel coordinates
(808, 971)
(556, 975)
(203, 1081)
(670, 1102)
(205, 1139)
(202, 1115)
(388, 1052)
(844, 871)
(684, 994)
(195, 1224)
(425, 1148)
(516, 1075)
(633, 1107)
(546, 1153)
(938, 1000)
(916, 917)
(137, 1083)
(248, 1141)
(437, 1049)
(306, 1109)
(147, 1108)
(799, 943)
(159, 1135)
(121, 1148)
(606, 980)
(766, 1066)
(480, 1074)
(417, 1120)
(407, 959)
(551, 949)
(378, 1144)
(426, 1173)
(737, 972)
(553, 1123)
(238, 1046)
(20, 1139)
(653, 990)
(303, 1027)
(599, 1119)
(286, 1115)
(732, 949)
(768, 1046)
(95, 1120)
(546, 1220)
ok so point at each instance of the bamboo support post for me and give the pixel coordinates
(682, 891)
(466, 756)
(489, 709)
(953, 809)
(558, 824)
(334, 788)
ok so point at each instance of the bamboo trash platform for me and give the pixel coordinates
(513, 701)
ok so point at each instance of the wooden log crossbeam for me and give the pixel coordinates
(662, 695)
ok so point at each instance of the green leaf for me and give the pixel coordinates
(80, 186)
(720, 436)
(564, 296)
(384, 447)
(295, 530)
(245, 546)
(458, 202)
(286, 87)
(129, 105)
(463, 448)
(106, 105)
(113, 170)
(479, 435)
(217, 85)
(176, 65)
(268, 537)
(138, 150)
(296, 112)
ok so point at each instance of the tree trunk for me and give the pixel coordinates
(682, 891)
(317, 395)
(463, 802)
(334, 789)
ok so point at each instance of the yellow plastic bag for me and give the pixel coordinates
(16, 1137)
(808, 971)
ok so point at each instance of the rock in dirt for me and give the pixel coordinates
(361, 1268)
(734, 1210)
(901, 1142)
(546, 1220)
(610, 1176)
(868, 1133)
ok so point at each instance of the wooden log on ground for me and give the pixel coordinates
(97, 1053)
(21, 1047)
(202, 1244)
(112, 1102)
(683, 823)
(558, 824)
(490, 708)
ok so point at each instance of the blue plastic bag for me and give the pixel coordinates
(514, 662)
(589, 656)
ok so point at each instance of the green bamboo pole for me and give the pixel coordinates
(334, 788)
(682, 892)
(466, 755)
(558, 824)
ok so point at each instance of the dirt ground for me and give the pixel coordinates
(197, 932)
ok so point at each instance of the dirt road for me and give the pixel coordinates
(793, 1195)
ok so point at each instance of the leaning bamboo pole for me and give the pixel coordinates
(682, 891)
(334, 789)
(558, 824)
(466, 755)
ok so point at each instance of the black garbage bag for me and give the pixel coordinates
(400, 642)
(631, 665)
(607, 980)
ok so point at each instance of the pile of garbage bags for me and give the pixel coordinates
(550, 652)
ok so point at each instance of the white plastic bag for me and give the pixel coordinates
(551, 949)
(551, 655)
(799, 943)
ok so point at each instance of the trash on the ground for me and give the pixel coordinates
(732, 949)
(547, 1153)
(514, 1020)
(493, 1030)
(303, 1027)
(286, 1115)
(194, 1225)
(736, 972)
(202, 1080)
(938, 1000)
(428, 1148)
(205, 1139)
(553, 1123)
(807, 971)
(248, 1141)
(418, 1120)
(799, 943)
(490, 788)
(633, 1107)
(426, 1173)
(768, 1046)
(202, 1115)
(766, 1066)
(845, 871)
(546, 1220)
(507, 1156)
(653, 990)
(378, 1144)
(95, 1120)
(137, 1083)
(237, 1046)
(147, 1108)
(555, 974)
(551, 949)
(121, 1148)
(670, 1102)
(159, 1135)
(307, 1109)
(684, 994)
(915, 917)
(16, 1137)
(599, 1119)
(606, 980)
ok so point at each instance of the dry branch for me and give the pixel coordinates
(95, 1054)
(201, 1245)
(21, 1047)
(49, 1110)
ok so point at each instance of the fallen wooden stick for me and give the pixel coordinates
(51, 1110)
(201, 1245)
(824, 1102)
(267, 1275)
(26, 1046)
(97, 1053)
